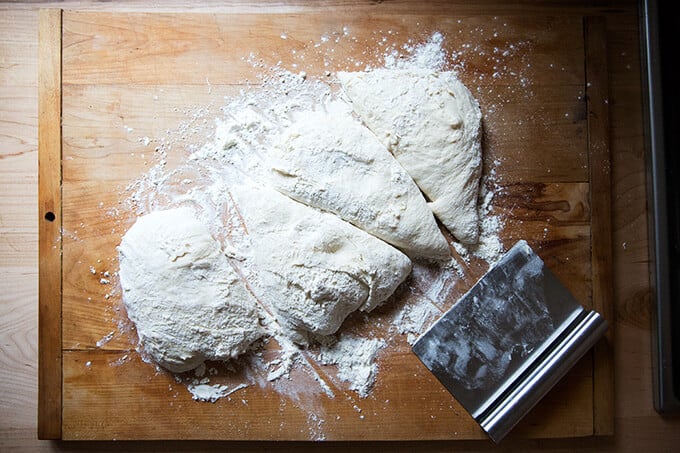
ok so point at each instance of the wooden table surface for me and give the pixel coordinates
(638, 427)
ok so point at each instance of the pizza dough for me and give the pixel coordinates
(329, 160)
(432, 125)
(185, 299)
(312, 268)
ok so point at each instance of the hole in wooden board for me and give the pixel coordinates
(49, 216)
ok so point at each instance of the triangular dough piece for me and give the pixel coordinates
(186, 301)
(432, 125)
(312, 268)
(329, 160)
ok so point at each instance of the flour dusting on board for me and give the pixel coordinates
(226, 143)
(355, 359)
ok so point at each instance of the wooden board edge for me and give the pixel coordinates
(597, 95)
(49, 225)
(58, 221)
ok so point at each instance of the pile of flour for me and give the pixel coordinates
(247, 136)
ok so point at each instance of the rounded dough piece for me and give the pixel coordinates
(185, 299)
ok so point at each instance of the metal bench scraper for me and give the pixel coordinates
(509, 340)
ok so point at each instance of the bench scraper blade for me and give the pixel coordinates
(508, 340)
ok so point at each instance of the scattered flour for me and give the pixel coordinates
(105, 339)
(429, 55)
(412, 318)
(355, 359)
(211, 393)
(237, 145)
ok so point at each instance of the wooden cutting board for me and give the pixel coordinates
(115, 78)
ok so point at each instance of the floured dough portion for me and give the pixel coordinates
(185, 299)
(313, 268)
(329, 160)
(432, 125)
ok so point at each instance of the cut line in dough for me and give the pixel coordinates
(329, 160)
(432, 124)
(311, 267)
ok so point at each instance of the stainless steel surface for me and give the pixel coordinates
(508, 340)
(662, 205)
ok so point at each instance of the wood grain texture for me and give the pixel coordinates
(49, 212)
(638, 427)
(101, 383)
(117, 90)
(101, 49)
(597, 94)
(448, 7)
(18, 228)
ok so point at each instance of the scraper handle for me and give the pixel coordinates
(535, 383)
